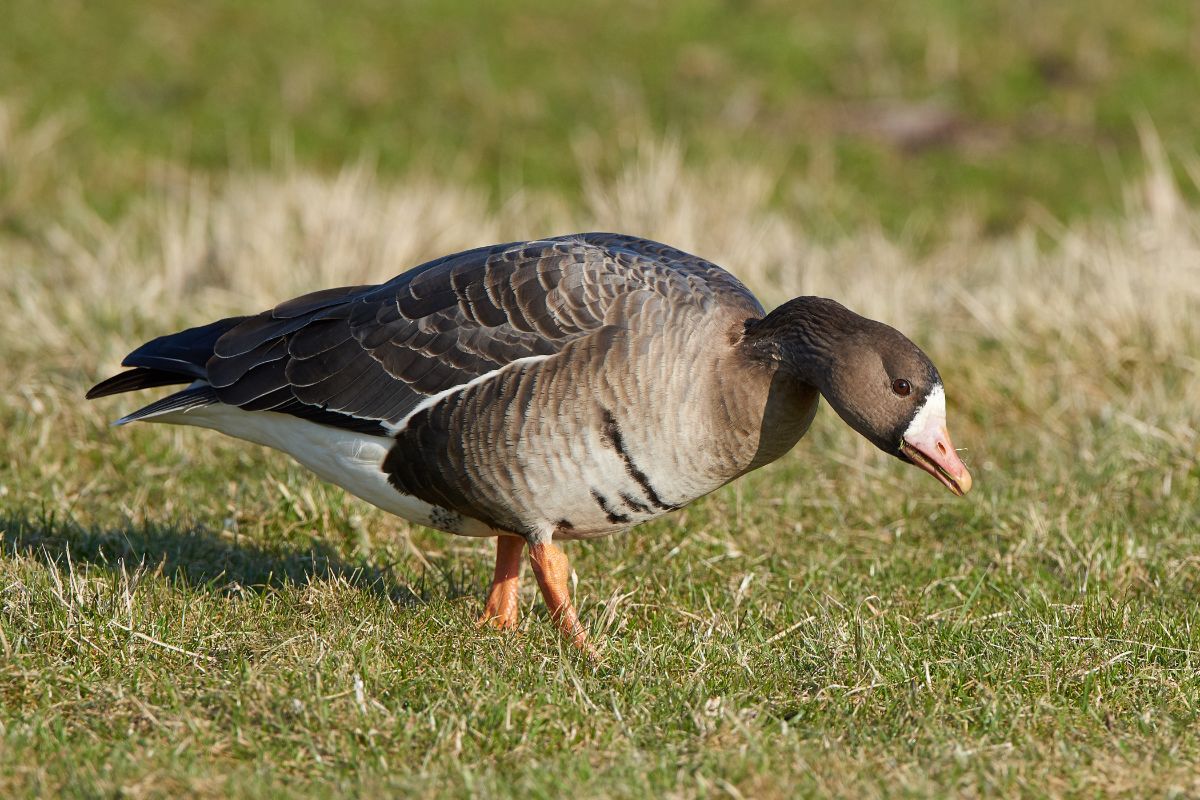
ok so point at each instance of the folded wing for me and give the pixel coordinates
(365, 357)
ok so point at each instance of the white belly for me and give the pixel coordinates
(347, 459)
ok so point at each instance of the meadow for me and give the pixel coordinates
(184, 614)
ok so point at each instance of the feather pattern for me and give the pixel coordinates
(372, 354)
(526, 387)
(188, 399)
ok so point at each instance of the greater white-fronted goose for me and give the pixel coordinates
(558, 389)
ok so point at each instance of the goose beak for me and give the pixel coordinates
(931, 449)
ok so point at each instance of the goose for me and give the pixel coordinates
(540, 391)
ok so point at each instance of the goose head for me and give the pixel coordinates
(879, 382)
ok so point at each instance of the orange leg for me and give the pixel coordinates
(550, 567)
(502, 610)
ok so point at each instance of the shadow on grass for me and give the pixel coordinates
(198, 557)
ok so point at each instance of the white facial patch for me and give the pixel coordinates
(930, 416)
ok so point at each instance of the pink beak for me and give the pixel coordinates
(936, 455)
(927, 443)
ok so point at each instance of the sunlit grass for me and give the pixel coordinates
(181, 613)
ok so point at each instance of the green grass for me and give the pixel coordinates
(182, 614)
(798, 632)
(1039, 102)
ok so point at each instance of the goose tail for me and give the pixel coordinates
(174, 359)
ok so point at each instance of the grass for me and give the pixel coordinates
(185, 614)
(910, 114)
(1014, 185)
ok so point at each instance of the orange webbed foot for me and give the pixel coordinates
(552, 570)
(502, 610)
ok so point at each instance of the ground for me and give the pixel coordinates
(182, 613)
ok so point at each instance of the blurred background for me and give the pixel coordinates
(910, 114)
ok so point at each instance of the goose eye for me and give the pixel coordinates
(901, 387)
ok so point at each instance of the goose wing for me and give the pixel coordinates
(366, 357)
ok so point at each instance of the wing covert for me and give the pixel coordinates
(364, 357)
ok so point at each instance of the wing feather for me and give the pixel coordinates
(365, 357)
